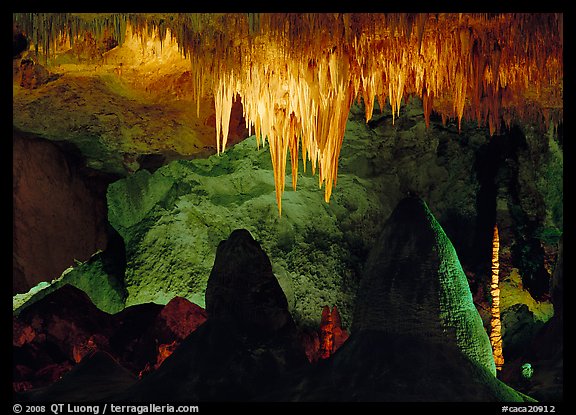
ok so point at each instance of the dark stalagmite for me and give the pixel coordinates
(248, 343)
(416, 335)
(242, 287)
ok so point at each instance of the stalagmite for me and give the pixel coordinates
(495, 322)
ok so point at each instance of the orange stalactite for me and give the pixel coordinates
(298, 74)
(495, 322)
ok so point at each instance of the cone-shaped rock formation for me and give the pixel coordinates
(247, 345)
(414, 285)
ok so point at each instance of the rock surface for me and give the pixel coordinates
(414, 285)
(101, 282)
(249, 357)
(173, 219)
(248, 344)
(242, 287)
(374, 366)
(57, 332)
(118, 105)
(522, 315)
(59, 212)
(545, 349)
(96, 378)
(416, 336)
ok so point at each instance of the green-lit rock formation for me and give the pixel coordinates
(173, 218)
(172, 221)
(414, 285)
(103, 285)
(416, 336)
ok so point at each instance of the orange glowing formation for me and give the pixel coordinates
(298, 74)
(495, 323)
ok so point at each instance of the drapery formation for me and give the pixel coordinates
(298, 74)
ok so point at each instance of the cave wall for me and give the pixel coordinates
(173, 219)
(59, 214)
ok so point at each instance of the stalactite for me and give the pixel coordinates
(298, 74)
(495, 322)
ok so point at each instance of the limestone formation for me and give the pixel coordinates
(414, 285)
(59, 213)
(57, 332)
(242, 288)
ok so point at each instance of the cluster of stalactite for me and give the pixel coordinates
(298, 74)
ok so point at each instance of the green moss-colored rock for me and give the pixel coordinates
(105, 289)
(173, 220)
(457, 307)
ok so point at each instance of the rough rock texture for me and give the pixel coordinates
(32, 74)
(545, 351)
(231, 358)
(100, 281)
(120, 109)
(180, 317)
(373, 366)
(248, 344)
(522, 316)
(58, 331)
(96, 378)
(59, 213)
(519, 326)
(414, 285)
(521, 190)
(323, 341)
(48, 335)
(173, 219)
(332, 336)
(416, 335)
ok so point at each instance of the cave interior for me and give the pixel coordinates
(287, 207)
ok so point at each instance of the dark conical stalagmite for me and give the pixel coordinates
(242, 287)
(414, 285)
(248, 343)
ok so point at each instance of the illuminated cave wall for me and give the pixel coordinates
(480, 141)
(172, 220)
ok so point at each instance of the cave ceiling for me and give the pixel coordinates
(122, 86)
